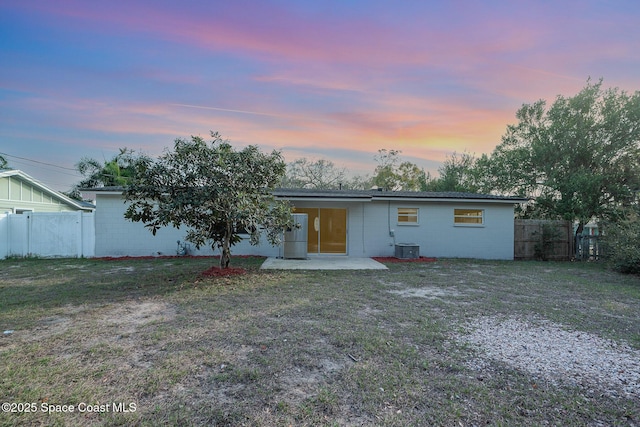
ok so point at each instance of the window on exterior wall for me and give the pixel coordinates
(468, 216)
(407, 216)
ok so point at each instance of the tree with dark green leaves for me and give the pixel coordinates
(3, 162)
(115, 172)
(622, 242)
(394, 175)
(577, 160)
(213, 190)
(462, 173)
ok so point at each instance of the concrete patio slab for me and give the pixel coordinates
(323, 263)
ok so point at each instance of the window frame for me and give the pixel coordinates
(460, 216)
(408, 215)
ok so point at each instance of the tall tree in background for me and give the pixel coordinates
(319, 174)
(3, 162)
(115, 172)
(462, 173)
(578, 159)
(213, 190)
(392, 174)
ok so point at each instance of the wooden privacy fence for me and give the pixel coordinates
(543, 239)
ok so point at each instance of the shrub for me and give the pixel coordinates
(622, 242)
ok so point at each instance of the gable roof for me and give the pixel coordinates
(77, 204)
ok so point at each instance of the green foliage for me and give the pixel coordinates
(212, 189)
(319, 174)
(578, 159)
(116, 172)
(547, 237)
(3, 162)
(463, 173)
(622, 243)
(392, 174)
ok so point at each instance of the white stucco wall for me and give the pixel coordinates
(116, 236)
(438, 236)
(368, 225)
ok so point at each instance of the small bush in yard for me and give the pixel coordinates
(623, 244)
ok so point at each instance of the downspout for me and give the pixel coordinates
(391, 231)
(8, 216)
(363, 231)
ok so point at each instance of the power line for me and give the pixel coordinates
(37, 161)
(44, 167)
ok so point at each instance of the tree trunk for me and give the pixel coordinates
(225, 257)
(576, 238)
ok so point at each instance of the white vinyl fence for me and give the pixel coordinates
(47, 234)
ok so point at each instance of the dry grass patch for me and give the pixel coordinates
(407, 346)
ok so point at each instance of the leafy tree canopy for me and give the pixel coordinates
(392, 174)
(463, 173)
(3, 162)
(319, 174)
(115, 172)
(214, 190)
(577, 159)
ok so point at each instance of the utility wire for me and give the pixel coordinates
(37, 161)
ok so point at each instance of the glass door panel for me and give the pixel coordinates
(313, 226)
(327, 230)
(333, 231)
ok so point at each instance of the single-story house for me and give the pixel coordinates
(363, 223)
(21, 193)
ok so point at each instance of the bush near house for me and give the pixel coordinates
(623, 244)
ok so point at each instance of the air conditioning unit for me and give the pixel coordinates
(407, 251)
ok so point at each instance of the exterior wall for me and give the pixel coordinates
(116, 236)
(368, 231)
(355, 244)
(437, 235)
(370, 225)
(15, 193)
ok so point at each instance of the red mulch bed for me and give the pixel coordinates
(210, 272)
(394, 259)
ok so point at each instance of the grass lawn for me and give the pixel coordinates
(152, 342)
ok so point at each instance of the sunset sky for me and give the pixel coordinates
(319, 79)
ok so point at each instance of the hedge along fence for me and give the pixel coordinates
(543, 239)
(47, 234)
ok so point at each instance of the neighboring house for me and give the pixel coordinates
(20, 193)
(343, 222)
(38, 221)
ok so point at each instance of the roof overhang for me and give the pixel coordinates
(42, 187)
(509, 201)
(306, 195)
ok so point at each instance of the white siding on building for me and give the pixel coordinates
(116, 236)
(368, 230)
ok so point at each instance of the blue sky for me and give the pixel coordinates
(333, 79)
